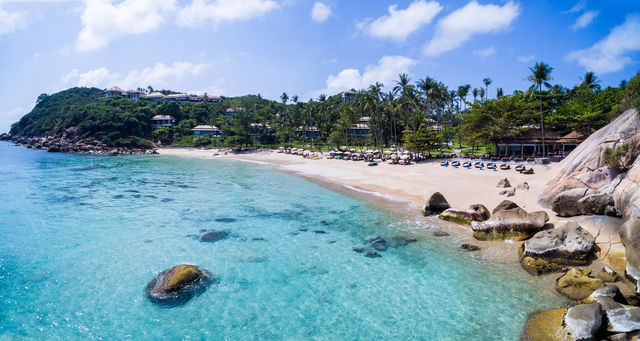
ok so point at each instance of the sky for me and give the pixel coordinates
(266, 47)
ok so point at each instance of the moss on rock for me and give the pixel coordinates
(536, 266)
(546, 325)
(576, 284)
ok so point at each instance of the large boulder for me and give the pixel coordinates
(546, 325)
(630, 237)
(435, 205)
(177, 285)
(595, 203)
(567, 245)
(566, 203)
(583, 321)
(476, 212)
(576, 284)
(513, 223)
(620, 318)
(504, 205)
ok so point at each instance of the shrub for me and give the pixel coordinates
(622, 158)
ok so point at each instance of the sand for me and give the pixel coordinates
(411, 183)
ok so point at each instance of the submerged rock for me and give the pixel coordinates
(214, 236)
(401, 240)
(583, 321)
(372, 254)
(470, 247)
(358, 249)
(177, 285)
(441, 233)
(567, 245)
(576, 284)
(380, 245)
(225, 220)
(513, 223)
(436, 204)
(476, 212)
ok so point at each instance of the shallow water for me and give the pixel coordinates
(81, 236)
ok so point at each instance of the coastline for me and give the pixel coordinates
(404, 189)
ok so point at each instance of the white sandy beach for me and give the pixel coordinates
(413, 183)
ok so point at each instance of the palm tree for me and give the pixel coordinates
(590, 81)
(486, 82)
(284, 97)
(294, 98)
(540, 74)
(475, 93)
(499, 93)
(463, 91)
(482, 93)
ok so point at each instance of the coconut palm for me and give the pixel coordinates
(499, 93)
(284, 97)
(482, 93)
(487, 81)
(540, 74)
(463, 91)
(475, 93)
(590, 81)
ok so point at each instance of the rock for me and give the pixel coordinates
(537, 266)
(503, 183)
(464, 217)
(505, 205)
(480, 208)
(469, 247)
(224, 219)
(371, 238)
(608, 275)
(595, 203)
(576, 284)
(320, 231)
(177, 285)
(630, 237)
(583, 321)
(546, 325)
(372, 254)
(620, 318)
(513, 223)
(358, 249)
(566, 203)
(214, 236)
(509, 193)
(606, 291)
(436, 204)
(527, 171)
(567, 245)
(441, 233)
(380, 245)
(523, 186)
(401, 240)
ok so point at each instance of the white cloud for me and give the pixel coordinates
(526, 59)
(399, 24)
(485, 53)
(584, 20)
(11, 21)
(320, 12)
(159, 75)
(579, 6)
(103, 21)
(463, 23)
(385, 72)
(611, 53)
(200, 11)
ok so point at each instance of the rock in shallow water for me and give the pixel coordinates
(372, 254)
(546, 325)
(583, 321)
(470, 247)
(576, 284)
(178, 285)
(436, 204)
(441, 233)
(401, 240)
(214, 236)
(476, 212)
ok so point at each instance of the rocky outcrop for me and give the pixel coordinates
(576, 284)
(546, 325)
(565, 204)
(477, 212)
(513, 223)
(435, 205)
(567, 245)
(585, 168)
(69, 143)
(177, 285)
(583, 321)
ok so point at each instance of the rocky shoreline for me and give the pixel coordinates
(73, 144)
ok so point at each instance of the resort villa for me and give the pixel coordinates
(155, 97)
(162, 121)
(310, 132)
(258, 129)
(348, 96)
(231, 112)
(202, 130)
(361, 128)
(529, 142)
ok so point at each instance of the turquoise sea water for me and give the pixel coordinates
(81, 236)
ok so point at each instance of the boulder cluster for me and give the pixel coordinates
(69, 142)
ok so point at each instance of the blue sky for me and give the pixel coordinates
(232, 47)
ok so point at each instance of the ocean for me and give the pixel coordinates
(81, 236)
